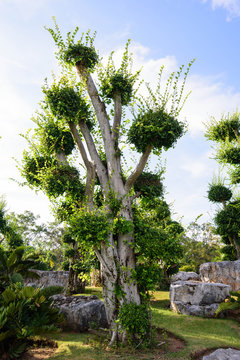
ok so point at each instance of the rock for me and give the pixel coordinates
(225, 272)
(194, 310)
(223, 354)
(81, 312)
(49, 278)
(196, 298)
(185, 276)
(197, 293)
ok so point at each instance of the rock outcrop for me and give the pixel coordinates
(223, 354)
(49, 278)
(185, 276)
(196, 298)
(225, 272)
(81, 312)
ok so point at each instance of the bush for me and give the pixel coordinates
(135, 321)
(25, 312)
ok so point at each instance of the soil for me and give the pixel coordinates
(40, 350)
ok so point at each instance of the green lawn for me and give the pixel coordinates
(198, 333)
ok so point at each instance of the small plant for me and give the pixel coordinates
(135, 321)
(219, 193)
(231, 303)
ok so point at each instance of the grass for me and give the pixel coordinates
(199, 333)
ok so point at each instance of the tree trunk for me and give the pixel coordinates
(118, 286)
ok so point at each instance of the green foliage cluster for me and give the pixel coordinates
(54, 178)
(90, 228)
(62, 179)
(32, 167)
(67, 102)
(149, 184)
(118, 82)
(231, 303)
(157, 244)
(229, 153)
(24, 311)
(56, 139)
(122, 226)
(219, 193)
(228, 219)
(155, 128)
(9, 236)
(235, 175)
(135, 320)
(227, 128)
(75, 53)
(226, 134)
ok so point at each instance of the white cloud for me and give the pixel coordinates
(231, 6)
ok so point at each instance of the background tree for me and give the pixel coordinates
(200, 245)
(96, 199)
(226, 134)
(45, 239)
(10, 238)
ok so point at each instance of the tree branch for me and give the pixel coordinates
(80, 145)
(90, 182)
(100, 168)
(117, 117)
(139, 169)
(61, 158)
(98, 105)
(102, 261)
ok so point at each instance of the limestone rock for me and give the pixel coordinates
(49, 278)
(197, 293)
(223, 354)
(196, 298)
(194, 310)
(81, 312)
(225, 272)
(185, 276)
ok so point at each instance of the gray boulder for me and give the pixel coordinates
(197, 293)
(81, 312)
(225, 272)
(223, 354)
(185, 276)
(196, 298)
(194, 310)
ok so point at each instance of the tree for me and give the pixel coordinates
(10, 238)
(200, 245)
(226, 134)
(98, 205)
(45, 239)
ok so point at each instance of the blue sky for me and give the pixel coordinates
(169, 32)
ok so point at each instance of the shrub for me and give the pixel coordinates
(25, 312)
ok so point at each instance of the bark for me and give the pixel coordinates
(61, 158)
(139, 169)
(237, 246)
(117, 118)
